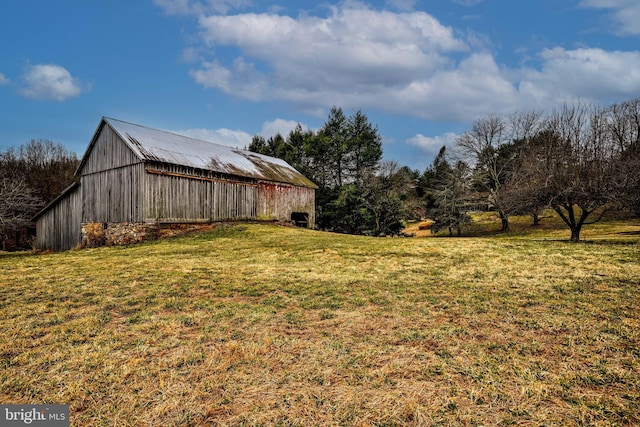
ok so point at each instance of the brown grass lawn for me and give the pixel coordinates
(255, 324)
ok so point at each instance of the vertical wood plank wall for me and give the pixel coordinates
(113, 195)
(59, 228)
(279, 201)
(181, 199)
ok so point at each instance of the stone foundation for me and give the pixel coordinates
(95, 234)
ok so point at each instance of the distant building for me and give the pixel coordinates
(133, 179)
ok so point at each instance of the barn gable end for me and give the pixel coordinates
(106, 151)
(132, 176)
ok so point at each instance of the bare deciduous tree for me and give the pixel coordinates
(572, 166)
(525, 192)
(36, 171)
(17, 204)
(491, 146)
(623, 125)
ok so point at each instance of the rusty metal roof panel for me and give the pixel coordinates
(166, 147)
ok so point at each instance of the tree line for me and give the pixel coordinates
(580, 160)
(31, 176)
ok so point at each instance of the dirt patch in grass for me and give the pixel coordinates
(263, 325)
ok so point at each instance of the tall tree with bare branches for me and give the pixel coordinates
(17, 204)
(623, 126)
(573, 165)
(490, 147)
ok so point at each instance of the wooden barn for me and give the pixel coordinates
(133, 179)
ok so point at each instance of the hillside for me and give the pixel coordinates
(259, 325)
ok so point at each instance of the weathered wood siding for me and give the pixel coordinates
(59, 228)
(279, 201)
(113, 195)
(111, 181)
(108, 152)
(176, 194)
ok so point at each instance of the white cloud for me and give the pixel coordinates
(593, 74)
(281, 126)
(354, 32)
(4, 80)
(228, 137)
(241, 79)
(624, 13)
(213, 75)
(353, 51)
(432, 145)
(51, 82)
(351, 48)
(476, 86)
(407, 63)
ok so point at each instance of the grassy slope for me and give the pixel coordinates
(258, 324)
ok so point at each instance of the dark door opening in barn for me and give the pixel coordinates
(300, 219)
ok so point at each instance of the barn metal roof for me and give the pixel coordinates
(161, 146)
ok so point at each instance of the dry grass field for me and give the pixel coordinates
(253, 324)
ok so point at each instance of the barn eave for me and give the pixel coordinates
(55, 201)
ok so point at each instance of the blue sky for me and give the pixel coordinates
(224, 70)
